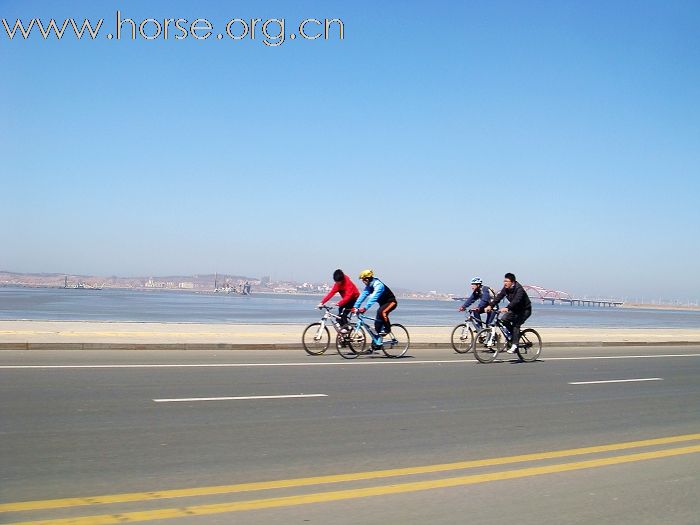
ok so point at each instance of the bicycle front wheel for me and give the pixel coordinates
(316, 339)
(396, 342)
(462, 338)
(351, 344)
(529, 345)
(358, 339)
(487, 345)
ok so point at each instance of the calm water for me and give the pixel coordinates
(162, 306)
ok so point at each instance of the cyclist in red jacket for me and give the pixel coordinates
(348, 295)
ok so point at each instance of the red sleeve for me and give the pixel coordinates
(349, 292)
(330, 294)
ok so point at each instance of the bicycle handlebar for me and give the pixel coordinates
(329, 309)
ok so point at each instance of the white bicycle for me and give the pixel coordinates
(316, 337)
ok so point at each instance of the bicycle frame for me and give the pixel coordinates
(362, 323)
(476, 324)
(325, 320)
(498, 324)
(393, 344)
(463, 335)
(316, 337)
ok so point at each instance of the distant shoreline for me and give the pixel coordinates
(688, 307)
(416, 297)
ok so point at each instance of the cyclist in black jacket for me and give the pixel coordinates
(518, 310)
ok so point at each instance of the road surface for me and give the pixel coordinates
(586, 435)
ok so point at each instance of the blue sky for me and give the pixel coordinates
(558, 140)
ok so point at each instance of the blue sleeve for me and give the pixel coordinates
(364, 294)
(378, 289)
(469, 301)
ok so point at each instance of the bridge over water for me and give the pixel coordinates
(557, 296)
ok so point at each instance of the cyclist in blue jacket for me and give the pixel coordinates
(482, 294)
(379, 293)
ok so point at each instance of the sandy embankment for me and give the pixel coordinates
(86, 334)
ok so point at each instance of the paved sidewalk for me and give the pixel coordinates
(117, 335)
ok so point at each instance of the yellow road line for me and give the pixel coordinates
(324, 497)
(334, 478)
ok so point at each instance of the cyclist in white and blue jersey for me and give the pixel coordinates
(482, 294)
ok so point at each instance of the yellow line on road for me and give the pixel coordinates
(335, 478)
(383, 490)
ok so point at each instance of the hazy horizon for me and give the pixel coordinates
(464, 291)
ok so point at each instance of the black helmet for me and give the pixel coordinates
(338, 275)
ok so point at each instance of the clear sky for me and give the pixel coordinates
(559, 140)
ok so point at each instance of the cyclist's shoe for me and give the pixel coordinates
(382, 333)
(512, 349)
(344, 330)
(375, 346)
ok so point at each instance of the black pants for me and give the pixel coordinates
(513, 320)
(382, 323)
(344, 311)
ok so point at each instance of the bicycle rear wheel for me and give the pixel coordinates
(352, 344)
(462, 338)
(396, 342)
(529, 345)
(489, 342)
(316, 339)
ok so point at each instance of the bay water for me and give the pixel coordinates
(187, 307)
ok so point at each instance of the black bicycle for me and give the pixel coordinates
(492, 340)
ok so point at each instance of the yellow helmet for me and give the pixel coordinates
(366, 274)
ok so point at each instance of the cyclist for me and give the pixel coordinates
(348, 295)
(518, 310)
(483, 294)
(379, 293)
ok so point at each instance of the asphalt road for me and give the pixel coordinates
(108, 423)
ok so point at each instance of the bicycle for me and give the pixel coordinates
(316, 337)
(464, 334)
(393, 344)
(493, 339)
